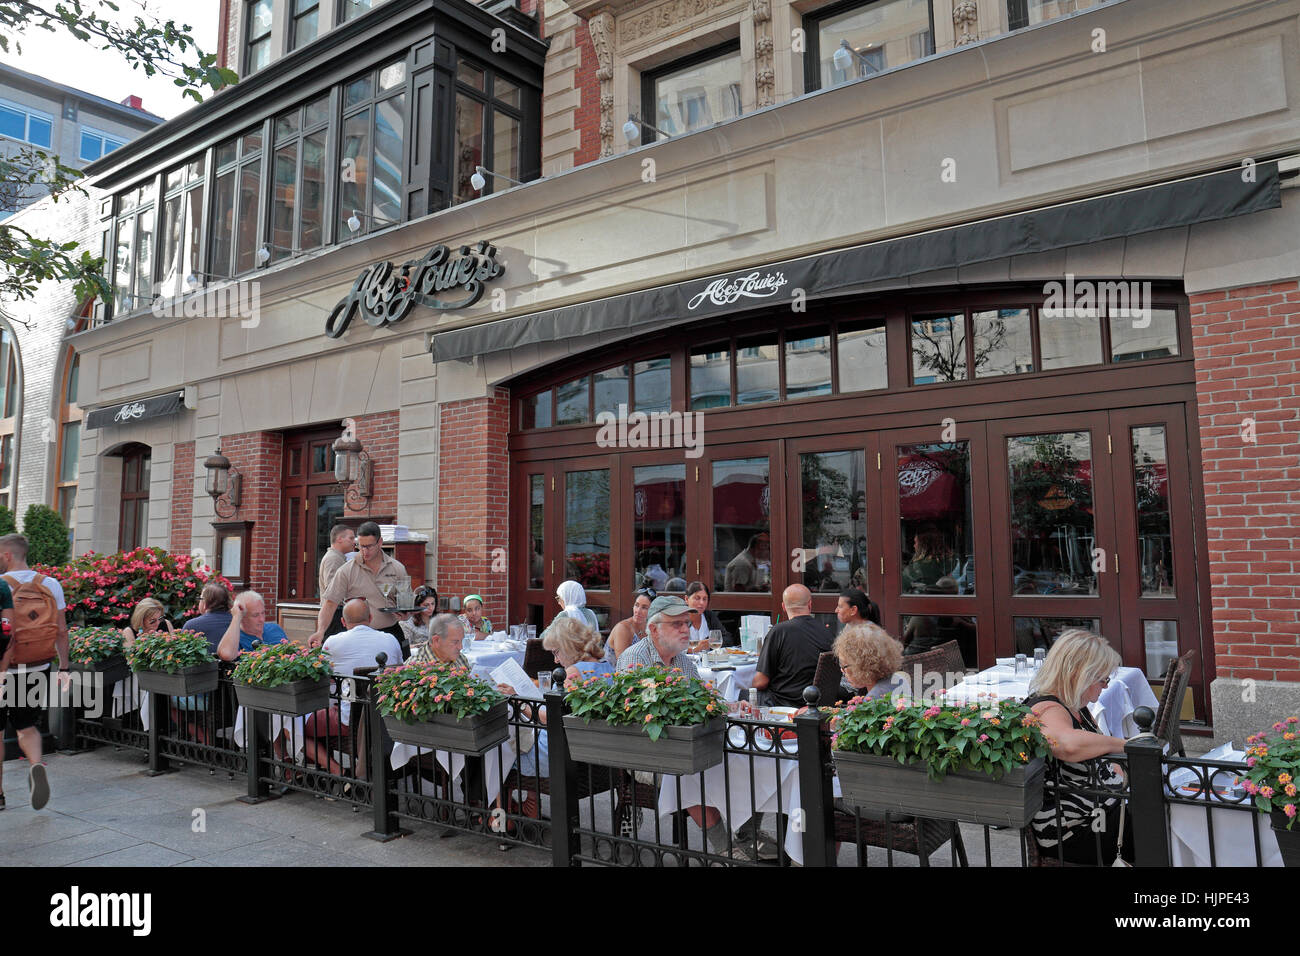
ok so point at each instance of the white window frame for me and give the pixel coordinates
(103, 138)
(30, 112)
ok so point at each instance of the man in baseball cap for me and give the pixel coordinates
(668, 625)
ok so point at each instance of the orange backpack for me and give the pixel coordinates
(36, 621)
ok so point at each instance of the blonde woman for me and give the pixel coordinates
(147, 618)
(870, 660)
(1077, 669)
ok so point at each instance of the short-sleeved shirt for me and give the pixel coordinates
(355, 580)
(212, 625)
(644, 654)
(272, 633)
(355, 648)
(329, 565)
(789, 658)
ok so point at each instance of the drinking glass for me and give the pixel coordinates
(1022, 665)
(1040, 655)
(715, 640)
(543, 682)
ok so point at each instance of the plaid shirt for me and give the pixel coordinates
(644, 654)
(424, 652)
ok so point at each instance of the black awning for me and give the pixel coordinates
(1182, 203)
(137, 411)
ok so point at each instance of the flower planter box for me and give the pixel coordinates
(113, 668)
(292, 699)
(470, 735)
(679, 750)
(1288, 841)
(198, 679)
(883, 784)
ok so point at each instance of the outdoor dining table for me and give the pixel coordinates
(496, 764)
(1113, 710)
(1189, 829)
(731, 680)
(492, 654)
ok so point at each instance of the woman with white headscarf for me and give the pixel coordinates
(573, 600)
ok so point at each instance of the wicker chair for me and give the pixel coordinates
(827, 679)
(915, 835)
(1167, 725)
(537, 658)
(945, 659)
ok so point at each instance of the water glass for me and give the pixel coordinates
(1022, 665)
(1040, 655)
(467, 644)
(544, 682)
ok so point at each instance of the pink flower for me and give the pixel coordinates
(1289, 810)
(965, 721)
(983, 737)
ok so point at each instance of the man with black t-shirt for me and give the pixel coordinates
(789, 659)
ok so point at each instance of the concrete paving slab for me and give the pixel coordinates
(143, 854)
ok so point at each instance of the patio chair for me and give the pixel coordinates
(1167, 726)
(537, 658)
(946, 659)
(827, 679)
(915, 835)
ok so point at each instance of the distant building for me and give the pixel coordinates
(76, 126)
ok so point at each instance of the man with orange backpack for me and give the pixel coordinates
(40, 635)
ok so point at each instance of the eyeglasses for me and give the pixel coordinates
(651, 593)
(367, 547)
(1104, 682)
(678, 622)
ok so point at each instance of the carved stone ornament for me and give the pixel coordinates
(601, 28)
(762, 10)
(763, 46)
(764, 71)
(965, 15)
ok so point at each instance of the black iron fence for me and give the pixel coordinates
(772, 799)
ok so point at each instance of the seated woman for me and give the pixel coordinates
(472, 620)
(633, 629)
(573, 603)
(870, 659)
(854, 607)
(1077, 669)
(702, 619)
(579, 651)
(416, 626)
(147, 618)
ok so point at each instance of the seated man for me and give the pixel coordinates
(214, 614)
(788, 661)
(350, 649)
(446, 639)
(248, 623)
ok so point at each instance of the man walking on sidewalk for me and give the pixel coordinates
(40, 635)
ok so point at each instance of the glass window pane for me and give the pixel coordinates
(38, 132)
(306, 28)
(353, 188)
(6, 462)
(537, 410)
(652, 381)
(316, 112)
(125, 257)
(146, 462)
(536, 530)
(259, 24)
(13, 123)
(286, 125)
(833, 489)
(193, 231)
(91, 147)
(742, 525)
(1160, 639)
(68, 505)
(144, 260)
(1004, 343)
(170, 276)
(322, 459)
(659, 516)
(128, 200)
(74, 379)
(358, 91)
(469, 147)
(924, 632)
(142, 522)
(1151, 335)
(1036, 632)
(503, 91)
(505, 145)
(586, 528)
(1052, 526)
(351, 9)
(807, 363)
(252, 142)
(226, 153)
(1155, 536)
(175, 179)
(131, 474)
(250, 178)
(935, 519)
(881, 35)
(572, 403)
(70, 452)
(611, 391)
(283, 198)
(223, 224)
(757, 372)
(111, 144)
(862, 360)
(698, 96)
(1040, 10)
(194, 169)
(311, 209)
(1069, 337)
(938, 349)
(469, 74)
(393, 75)
(390, 123)
(711, 377)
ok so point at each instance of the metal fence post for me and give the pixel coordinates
(565, 843)
(816, 791)
(382, 802)
(159, 723)
(1146, 793)
(257, 738)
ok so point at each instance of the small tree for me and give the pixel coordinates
(47, 536)
(8, 523)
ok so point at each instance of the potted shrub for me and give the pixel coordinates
(98, 650)
(440, 706)
(648, 718)
(284, 678)
(982, 763)
(177, 663)
(1274, 762)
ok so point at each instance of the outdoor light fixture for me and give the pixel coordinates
(264, 253)
(222, 484)
(353, 470)
(354, 221)
(479, 179)
(632, 129)
(845, 54)
(192, 280)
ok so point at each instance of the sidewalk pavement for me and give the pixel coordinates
(104, 811)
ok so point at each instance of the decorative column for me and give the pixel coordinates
(601, 28)
(965, 17)
(764, 74)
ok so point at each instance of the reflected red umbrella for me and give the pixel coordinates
(927, 490)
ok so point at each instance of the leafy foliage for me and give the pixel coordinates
(93, 645)
(47, 535)
(8, 522)
(650, 697)
(420, 689)
(283, 663)
(169, 651)
(1274, 762)
(104, 589)
(992, 737)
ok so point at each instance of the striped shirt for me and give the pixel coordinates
(1076, 808)
(644, 654)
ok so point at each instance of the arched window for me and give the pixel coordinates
(10, 407)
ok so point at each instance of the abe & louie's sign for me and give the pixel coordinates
(384, 294)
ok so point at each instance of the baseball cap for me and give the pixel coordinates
(668, 605)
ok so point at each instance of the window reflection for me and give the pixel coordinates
(711, 377)
(1052, 531)
(833, 492)
(742, 541)
(862, 360)
(807, 363)
(758, 375)
(1155, 537)
(653, 384)
(1160, 641)
(1036, 632)
(659, 522)
(925, 632)
(939, 348)
(881, 35)
(586, 528)
(1137, 338)
(1004, 343)
(934, 507)
(536, 530)
(697, 96)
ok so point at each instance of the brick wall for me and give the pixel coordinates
(587, 117)
(1247, 344)
(259, 456)
(182, 503)
(378, 436)
(472, 506)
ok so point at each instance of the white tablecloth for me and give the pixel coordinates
(1189, 830)
(1113, 710)
(491, 655)
(731, 684)
(496, 764)
(295, 726)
